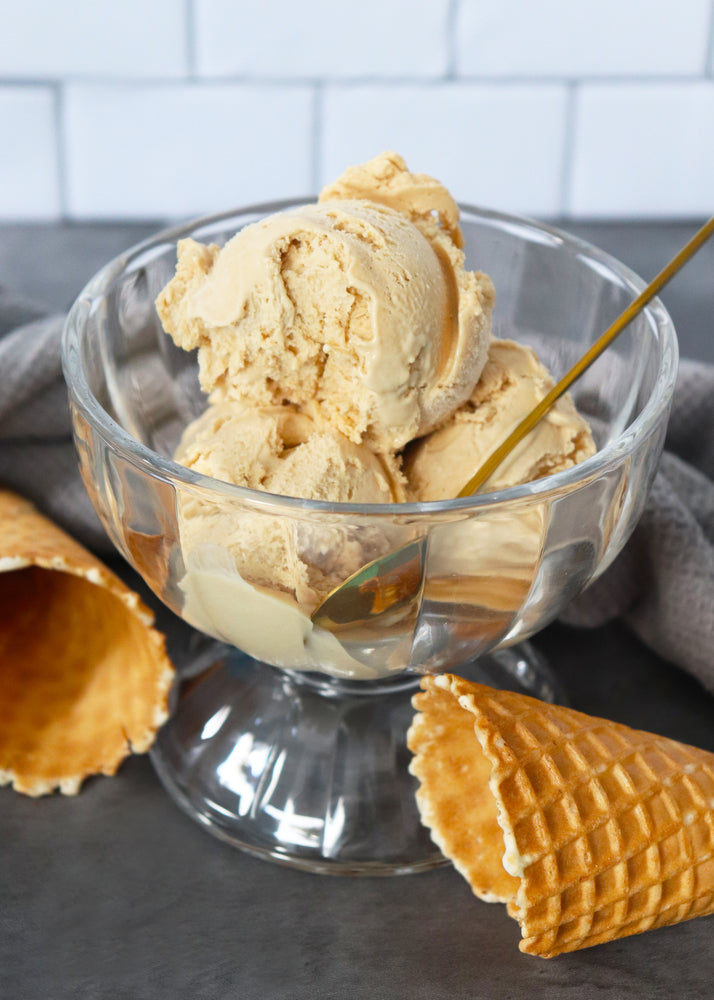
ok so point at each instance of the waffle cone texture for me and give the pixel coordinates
(588, 830)
(84, 677)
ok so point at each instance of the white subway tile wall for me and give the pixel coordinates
(496, 145)
(29, 186)
(66, 39)
(170, 108)
(156, 151)
(562, 38)
(322, 38)
(644, 151)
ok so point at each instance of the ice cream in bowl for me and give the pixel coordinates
(266, 400)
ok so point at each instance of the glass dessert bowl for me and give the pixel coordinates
(292, 745)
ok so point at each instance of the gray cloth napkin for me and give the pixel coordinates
(662, 584)
(37, 456)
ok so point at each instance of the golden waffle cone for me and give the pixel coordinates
(84, 678)
(587, 829)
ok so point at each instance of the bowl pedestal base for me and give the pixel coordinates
(310, 771)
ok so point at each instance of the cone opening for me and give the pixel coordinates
(456, 797)
(79, 686)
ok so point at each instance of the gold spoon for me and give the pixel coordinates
(387, 586)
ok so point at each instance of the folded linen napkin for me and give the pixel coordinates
(662, 584)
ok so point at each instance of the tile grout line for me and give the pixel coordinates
(316, 145)
(431, 82)
(190, 41)
(708, 71)
(566, 167)
(452, 14)
(61, 148)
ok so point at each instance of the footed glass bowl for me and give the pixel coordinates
(291, 745)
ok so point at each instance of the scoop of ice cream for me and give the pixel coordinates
(511, 384)
(347, 308)
(386, 180)
(281, 451)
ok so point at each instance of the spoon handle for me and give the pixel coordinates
(529, 422)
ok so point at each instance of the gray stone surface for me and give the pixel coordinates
(115, 894)
(51, 263)
(646, 247)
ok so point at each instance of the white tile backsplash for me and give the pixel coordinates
(318, 38)
(562, 38)
(44, 39)
(28, 165)
(178, 151)
(644, 150)
(170, 107)
(491, 145)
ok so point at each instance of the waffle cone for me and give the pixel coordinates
(84, 678)
(587, 829)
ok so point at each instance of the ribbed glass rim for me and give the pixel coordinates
(167, 470)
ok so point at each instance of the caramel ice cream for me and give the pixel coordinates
(347, 357)
(385, 180)
(511, 384)
(276, 567)
(356, 310)
(280, 450)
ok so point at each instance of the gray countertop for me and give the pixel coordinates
(116, 894)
